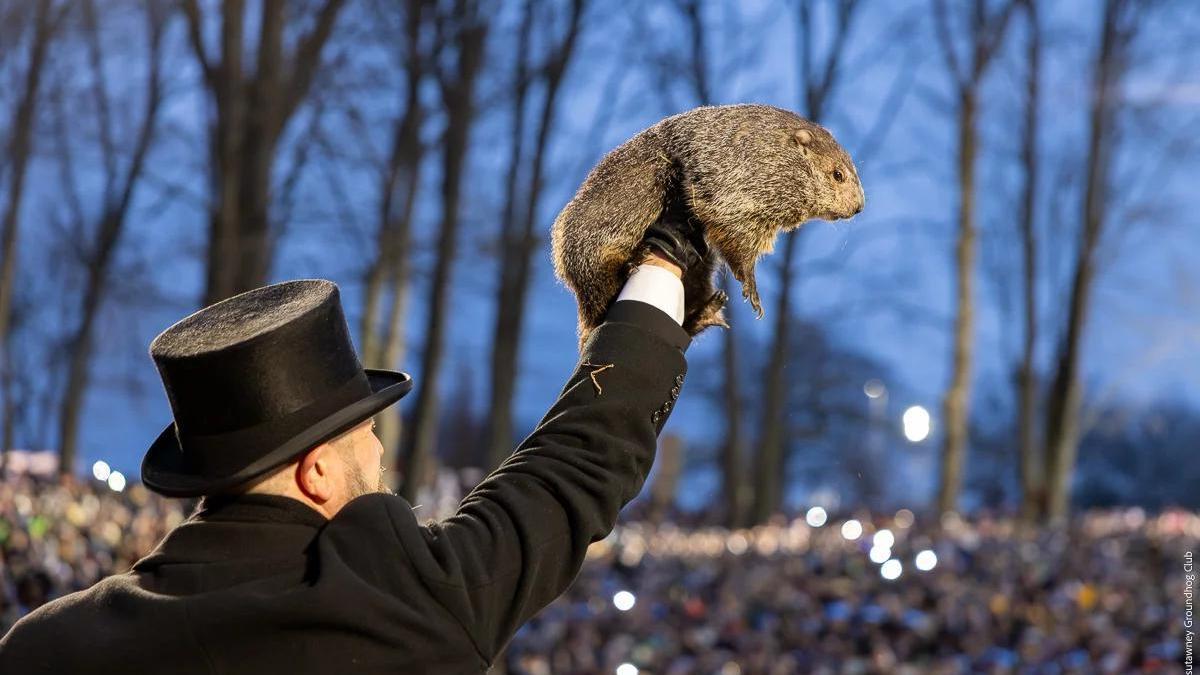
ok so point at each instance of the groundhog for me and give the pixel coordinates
(746, 172)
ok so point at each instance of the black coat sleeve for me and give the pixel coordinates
(519, 538)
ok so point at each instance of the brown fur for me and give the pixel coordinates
(746, 172)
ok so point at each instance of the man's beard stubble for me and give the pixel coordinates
(359, 485)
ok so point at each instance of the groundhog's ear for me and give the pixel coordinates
(802, 137)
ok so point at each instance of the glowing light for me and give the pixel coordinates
(737, 544)
(926, 560)
(816, 516)
(116, 481)
(624, 600)
(851, 530)
(916, 424)
(904, 518)
(627, 669)
(880, 554)
(101, 470)
(891, 569)
(874, 389)
(884, 539)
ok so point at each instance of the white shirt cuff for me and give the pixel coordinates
(655, 286)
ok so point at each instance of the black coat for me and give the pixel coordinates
(264, 584)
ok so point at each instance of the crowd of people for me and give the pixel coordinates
(58, 536)
(855, 593)
(874, 595)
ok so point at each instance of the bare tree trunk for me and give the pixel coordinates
(772, 460)
(817, 83)
(19, 148)
(253, 107)
(1029, 463)
(668, 465)
(955, 410)
(733, 450)
(458, 89)
(519, 244)
(383, 331)
(735, 495)
(111, 222)
(986, 33)
(1066, 392)
(498, 429)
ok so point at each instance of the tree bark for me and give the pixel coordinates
(19, 149)
(111, 221)
(498, 429)
(733, 450)
(818, 81)
(955, 408)
(252, 109)
(382, 330)
(458, 91)
(986, 34)
(772, 460)
(1029, 460)
(1066, 392)
(520, 243)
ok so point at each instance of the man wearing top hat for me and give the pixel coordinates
(297, 560)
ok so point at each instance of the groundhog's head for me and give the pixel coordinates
(759, 169)
(824, 167)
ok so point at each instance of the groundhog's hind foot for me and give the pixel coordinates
(750, 293)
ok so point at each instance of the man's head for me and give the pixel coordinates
(263, 378)
(329, 475)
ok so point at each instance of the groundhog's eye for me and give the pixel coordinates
(838, 175)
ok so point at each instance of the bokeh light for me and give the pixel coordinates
(737, 544)
(101, 470)
(851, 530)
(624, 600)
(627, 669)
(904, 519)
(926, 560)
(916, 424)
(879, 554)
(891, 569)
(816, 516)
(116, 481)
(874, 389)
(884, 539)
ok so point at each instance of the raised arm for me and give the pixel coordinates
(519, 538)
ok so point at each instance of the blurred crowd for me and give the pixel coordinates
(856, 593)
(60, 536)
(874, 595)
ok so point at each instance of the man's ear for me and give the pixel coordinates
(314, 473)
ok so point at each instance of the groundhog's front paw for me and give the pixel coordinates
(708, 313)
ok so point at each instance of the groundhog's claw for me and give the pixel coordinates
(750, 293)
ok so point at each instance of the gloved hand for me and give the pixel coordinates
(678, 236)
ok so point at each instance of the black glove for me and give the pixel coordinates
(678, 236)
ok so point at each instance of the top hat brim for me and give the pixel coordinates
(164, 469)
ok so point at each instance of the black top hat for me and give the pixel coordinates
(256, 380)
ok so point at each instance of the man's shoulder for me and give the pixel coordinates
(372, 524)
(62, 610)
(47, 633)
(369, 507)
